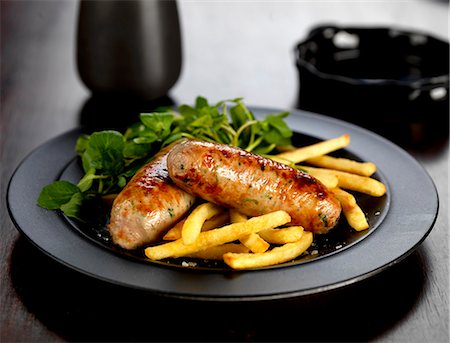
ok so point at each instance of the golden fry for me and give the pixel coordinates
(194, 222)
(213, 223)
(352, 182)
(252, 241)
(218, 236)
(282, 236)
(352, 212)
(175, 231)
(329, 180)
(313, 150)
(217, 252)
(237, 217)
(343, 164)
(202, 234)
(284, 253)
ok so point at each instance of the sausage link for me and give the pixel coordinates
(148, 205)
(254, 185)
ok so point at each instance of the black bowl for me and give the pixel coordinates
(393, 82)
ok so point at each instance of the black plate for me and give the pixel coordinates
(400, 221)
(341, 237)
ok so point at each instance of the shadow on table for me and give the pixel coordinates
(109, 111)
(80, 308)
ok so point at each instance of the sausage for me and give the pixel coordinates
(148, 205)
(233, 177)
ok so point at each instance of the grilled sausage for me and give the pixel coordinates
(254, 185)
(148, 205)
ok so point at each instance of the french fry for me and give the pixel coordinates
(237, 217)
(213, 223)
(175, 232)
(194, 222)
(313, 150)
(208, 232)
(252, 241)
(217, 252)
(322, 174)
(282, 236)
(362, 184)
(284, 253)
(218, 236)
(329, 180)
(343, 164)
(352, 212)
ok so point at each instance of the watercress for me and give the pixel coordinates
(110, 158)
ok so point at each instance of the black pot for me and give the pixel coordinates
(393, 82)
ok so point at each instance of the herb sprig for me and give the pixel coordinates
(110, 158)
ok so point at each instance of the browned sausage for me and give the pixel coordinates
(254, 185)
(148, 205)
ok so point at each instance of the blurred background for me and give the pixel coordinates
(226, 49)
(254, 55)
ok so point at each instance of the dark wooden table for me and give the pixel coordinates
(41, 97)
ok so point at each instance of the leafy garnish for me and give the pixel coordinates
(110, 158)
(55, 195)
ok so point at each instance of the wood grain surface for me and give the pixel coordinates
(42, 96)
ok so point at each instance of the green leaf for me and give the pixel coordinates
(136, 149)
(105, 152)
(274, 137)
(56, 194)
(264, 150)
(275, 130)
(86, 181)
(201, 102)
(277, 122)
(187, 112)
(121, 182)
(159, 123)
(133, 168)
(73, 207)
(204, 122)
(211, 111)
(149, 138)
(89, 162)
(81, 144)
(135, 130)
(240, 115)
(223, 137)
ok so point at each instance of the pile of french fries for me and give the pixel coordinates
(215, 233)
